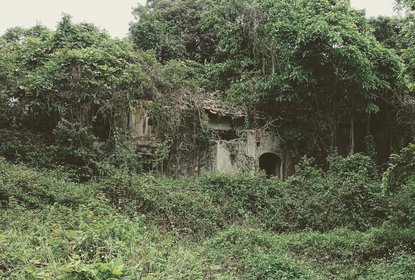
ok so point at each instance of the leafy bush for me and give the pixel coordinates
(35, 189)
(77, 149)
(401, 167)
(348, 247)
(402, 204)
(74, 148)
(356, 197)
(53, 228)
(238, 194)
(401, 267)
(347, 195)
(399, 182)
(356, 164)
(92, 242)
(173, 204)
(253, 254)
(298, 203)
(25, 147)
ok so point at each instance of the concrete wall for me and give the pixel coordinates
(139, 124)
(225, 160)
(140, 130)
(233, 156)
(243, 155)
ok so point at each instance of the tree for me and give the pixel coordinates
(302, 61)
(74, 73)
(406, 4)
(173, 29)
(310, 64)
(387, 31)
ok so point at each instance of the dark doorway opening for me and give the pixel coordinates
(101, 127)
(271, 163)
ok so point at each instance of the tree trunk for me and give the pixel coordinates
(332, 111)
(273, 61)
(352, 136)
(368, 125)
(334, 136)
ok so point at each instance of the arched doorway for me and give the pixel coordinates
(271, 163)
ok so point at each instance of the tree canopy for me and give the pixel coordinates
(297, 61)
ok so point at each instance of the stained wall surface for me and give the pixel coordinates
(243, 154)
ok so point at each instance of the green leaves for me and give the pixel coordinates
(76, 66)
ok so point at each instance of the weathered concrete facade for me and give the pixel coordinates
(255, 150)
(239, 149)
(234, 149)
(141, 131)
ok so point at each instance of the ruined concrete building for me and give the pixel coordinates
(239, 149)
(234, 149)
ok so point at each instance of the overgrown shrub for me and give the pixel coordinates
(238, 194)
(401, 267)
(129, 226)
(35, 189)
(173, 204)
(77, 149)
(26, 147)
(348, 247)
(399, 182)
(73, 148)
(401, 167)
(91, 242)
(402, 204)
(347, 195)
(298, 203)
(253, 254)
(356, 198)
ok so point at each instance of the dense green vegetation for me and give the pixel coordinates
(78, 202)
(340, 224)
(312, 65)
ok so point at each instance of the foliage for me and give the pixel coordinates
(387, 31)
(74, 83)
(355, 192)
(340, 254)
(310, 67)
(174, 29)
(79, 81)
(400, 267)
(308, 64)
(309, 200)
(76, 148)
(344, 196)
(253, 254)
(237, 195)
(408, 4)
(33, 190)
(399, 182)
(126, 226)
(89, 242)
(402, 204)
(174, 205)
(401, 168)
